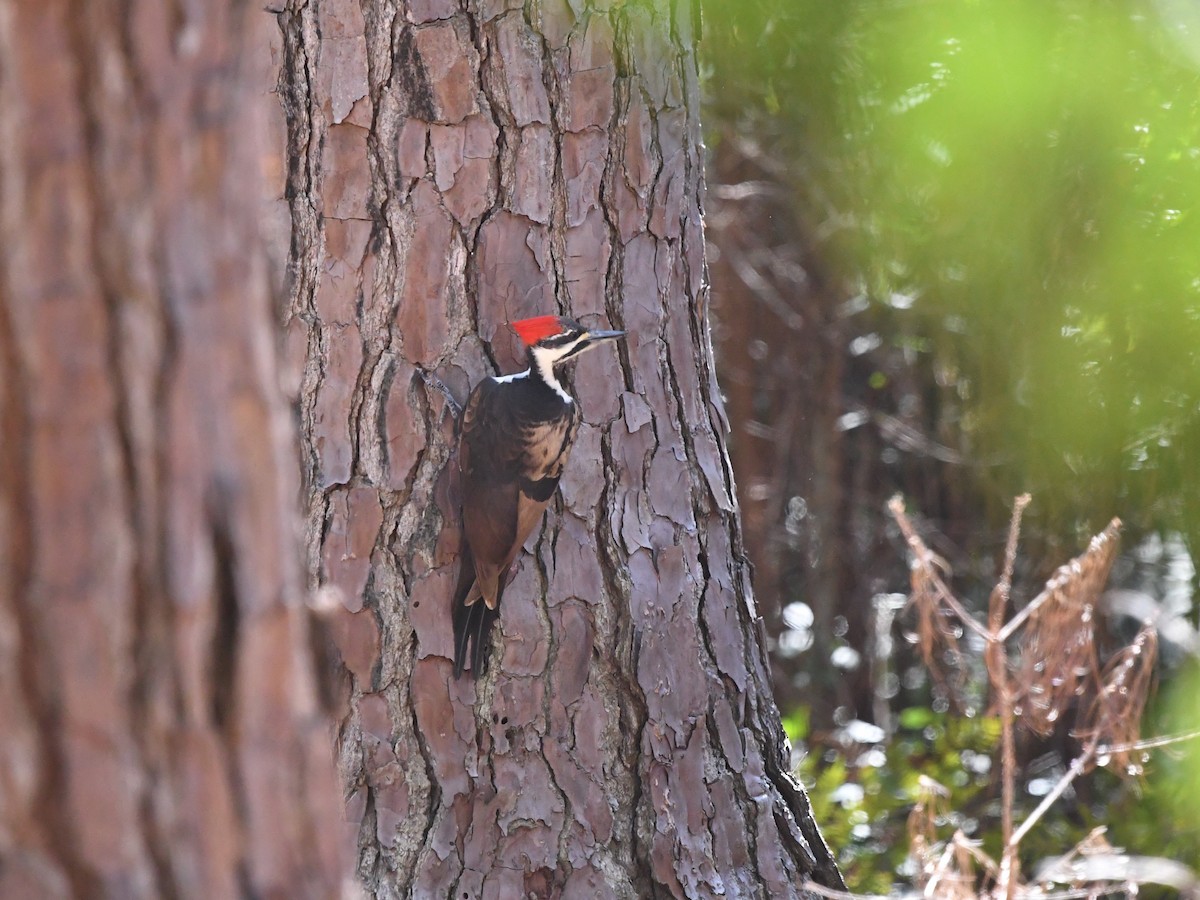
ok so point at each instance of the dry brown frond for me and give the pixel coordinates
(932, 802)
(943, 870)
(953, 874)
(1114, 716)
(1059, 656)
(937, 630)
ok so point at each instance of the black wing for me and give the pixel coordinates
(510, 463)
(488, 477)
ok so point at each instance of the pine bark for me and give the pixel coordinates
(454, 167)
(160, 732)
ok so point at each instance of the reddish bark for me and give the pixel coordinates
(160, 729)
(504, 161)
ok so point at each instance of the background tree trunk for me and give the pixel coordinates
(160, 736)
(781, 349)
(831, 420)
(454, 168)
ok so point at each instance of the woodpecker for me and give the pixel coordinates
(514, 439)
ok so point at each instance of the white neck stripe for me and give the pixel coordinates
(547, 377)
(544, 360)
(508, 379)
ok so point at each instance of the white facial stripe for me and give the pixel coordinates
(544, 358)
(557, 351)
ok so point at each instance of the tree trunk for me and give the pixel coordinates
(160, 736)
(453, 169)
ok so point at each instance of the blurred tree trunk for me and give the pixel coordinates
(454, 168)
(830, 419)
(161, 735)
(782, 353)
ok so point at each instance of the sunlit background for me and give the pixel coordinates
(956, 255)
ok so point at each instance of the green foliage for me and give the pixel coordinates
(1026, 175)
(1041, 190)
(1164, 817)
(865, 823)
(1014, 185)
(862, 801)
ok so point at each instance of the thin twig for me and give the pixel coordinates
(961, 611)
(1078, 894)
(1090, 840)
(921, 556)
(972, 847)
(822, 891)
(1077, 768)
(1010, 548)
(940, 869)
(997, 669)
(1149, 743)
(1024, 613)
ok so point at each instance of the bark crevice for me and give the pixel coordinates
(519, 160)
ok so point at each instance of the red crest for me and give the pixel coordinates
(533, 330)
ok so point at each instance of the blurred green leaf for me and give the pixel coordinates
(1028, 170)
(916, 718)
(795, 724)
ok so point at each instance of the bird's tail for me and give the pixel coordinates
(472, 624)
(472, 633)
